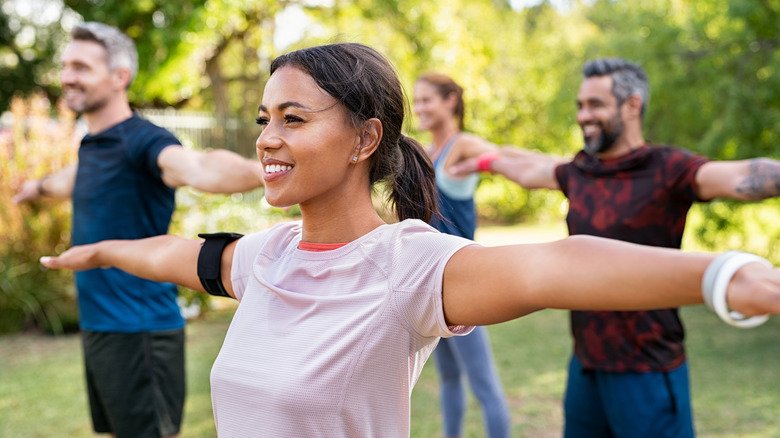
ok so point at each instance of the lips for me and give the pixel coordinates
(590, 130)
(274, 169)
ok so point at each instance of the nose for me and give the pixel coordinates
(583, 115)
(67, 77)
(268, 139)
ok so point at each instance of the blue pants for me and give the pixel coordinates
(636, 405)
(470, 354)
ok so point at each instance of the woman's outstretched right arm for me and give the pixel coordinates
(161, 258)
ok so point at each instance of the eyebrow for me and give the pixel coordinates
(285, 105)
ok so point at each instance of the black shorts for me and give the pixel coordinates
(135, 382)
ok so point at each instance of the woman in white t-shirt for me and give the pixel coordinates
(339, 311)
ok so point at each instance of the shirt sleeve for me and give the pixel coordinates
(561, 175)
(247, 250)
(150, 141)
(418, 277)
(681, 168)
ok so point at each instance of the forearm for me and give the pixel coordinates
(161, 258)
(604, 274)
(531, 170)
(58, 184)
(762, 180)
(226, 172)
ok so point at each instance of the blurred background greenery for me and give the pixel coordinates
(713, 68)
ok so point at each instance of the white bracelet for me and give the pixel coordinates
(716, 279)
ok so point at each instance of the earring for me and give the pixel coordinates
(354, 158)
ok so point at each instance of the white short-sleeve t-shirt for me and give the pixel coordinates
(330, 343)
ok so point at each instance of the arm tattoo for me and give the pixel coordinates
(762, 181)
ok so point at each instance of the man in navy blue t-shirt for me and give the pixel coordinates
(122, 187)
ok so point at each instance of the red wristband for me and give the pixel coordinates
(485, 161)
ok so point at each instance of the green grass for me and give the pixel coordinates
(735, 374)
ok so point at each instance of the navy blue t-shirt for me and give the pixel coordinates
(119, 194)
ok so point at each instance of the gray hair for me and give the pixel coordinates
(627, 78)
(120, 49)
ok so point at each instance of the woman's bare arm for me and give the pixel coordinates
(489, 285)
(162, 258)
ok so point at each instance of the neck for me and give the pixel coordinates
(630, 140)
(440, 134)
(340, 216)
(115, 111)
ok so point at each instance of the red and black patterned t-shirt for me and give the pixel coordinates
(642, 197)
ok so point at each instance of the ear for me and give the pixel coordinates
(633, 106)
(370, 135)
(452, 100)
(121, 77)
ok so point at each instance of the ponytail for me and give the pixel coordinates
(413, 183)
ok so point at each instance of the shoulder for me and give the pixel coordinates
(417, 248)
(272, 241)
(467, 140)
(148, 132)
(675, 156)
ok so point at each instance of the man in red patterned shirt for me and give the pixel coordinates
(628, 376)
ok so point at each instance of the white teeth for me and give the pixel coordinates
(273, 168)
(589, 129)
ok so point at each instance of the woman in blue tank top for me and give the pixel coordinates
(438, 105)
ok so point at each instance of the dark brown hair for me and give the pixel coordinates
(368, 87)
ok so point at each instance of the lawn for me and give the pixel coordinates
(735, 374)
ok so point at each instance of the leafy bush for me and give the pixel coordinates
(35, 144)
(502, 201)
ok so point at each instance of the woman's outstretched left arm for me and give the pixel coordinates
(487, 285)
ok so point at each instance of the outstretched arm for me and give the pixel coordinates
(56, 185)
(589, 273)
(216, 171)
(532, 170)
(161, 258)
(747, 180)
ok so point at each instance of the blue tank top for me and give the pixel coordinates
(456, 199)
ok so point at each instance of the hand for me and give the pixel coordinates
(77, 258)
(755, 290)
(29, 191)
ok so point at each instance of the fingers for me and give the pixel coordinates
(50, 262)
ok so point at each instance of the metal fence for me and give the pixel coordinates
(201, 130)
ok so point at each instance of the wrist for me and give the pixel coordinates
(716, 281)
(41, 191)
(485, 161)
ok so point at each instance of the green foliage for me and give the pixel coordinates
(35, 145)
(27, 48)
(721, 226)
(502, 201)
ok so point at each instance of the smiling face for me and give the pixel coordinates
(88, 84)
(307, 143)
(430, 107)
(599, 115)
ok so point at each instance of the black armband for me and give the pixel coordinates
(210, 261)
